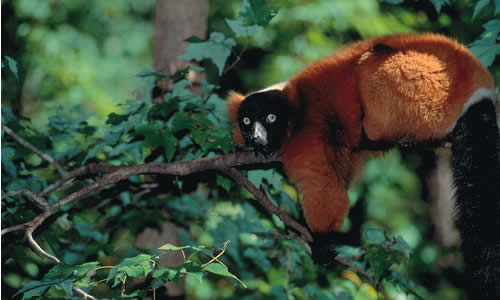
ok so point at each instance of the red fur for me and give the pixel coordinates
(234, 101)
(411, 89)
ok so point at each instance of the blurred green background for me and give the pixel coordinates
(86, 53)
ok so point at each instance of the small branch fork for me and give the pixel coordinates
(226, 164)
(29, 146)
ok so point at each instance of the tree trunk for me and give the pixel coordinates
(175, 21)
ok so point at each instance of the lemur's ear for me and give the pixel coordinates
(233, 101)
(233, 105)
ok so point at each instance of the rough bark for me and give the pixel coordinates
(174, 22)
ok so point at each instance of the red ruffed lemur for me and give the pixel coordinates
(373, 95)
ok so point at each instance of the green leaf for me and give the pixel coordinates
(222, 270)
(405, 284)
(36, 288)
(138, 266)
(378, 260)
(67, 286)
(217, 48)
(193, 39)
(201, 138)
(12, 64)
(381, 257)
(486, 48)
(348, 251)
(259, 12)
(8, 154)
(172, 247)
(151, 73)
(374, 235)
(167, 274)
(438, 4)
(92, 153)
(115, 119)
(8, 116)
(352, 255)
(278, 292)
(257, 176)
(207, 87)
(197, 275)
(164, 109)
(182, 74)
(202, 121)
(242, 30)
(497, 7)
(64, 271)
(125, 147)
(126, 198)
(479, 6)
(402, 246)
(85, 230)
(224, 182)
(258, 257)
(152, 133)
(181, 121)
(170, 143)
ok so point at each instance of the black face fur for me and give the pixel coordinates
(268, 109)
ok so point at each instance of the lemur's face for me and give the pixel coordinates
(263, 120)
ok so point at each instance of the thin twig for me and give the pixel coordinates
(91, 168)
(380, 287)
(123, 285)
(226, 69)
(238, 57)
(83, 294)
(358, 270)
(38, 249)
(29, 146)
(292, 235)
(216, 258)
(268, 204)
(14, 228)
(30, 194)
(70, 175)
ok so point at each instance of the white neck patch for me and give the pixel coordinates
(478, 95)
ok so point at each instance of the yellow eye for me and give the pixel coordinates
(271, 118)
(246, 121)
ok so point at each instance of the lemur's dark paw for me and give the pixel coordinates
(323, 248)
(263, 153)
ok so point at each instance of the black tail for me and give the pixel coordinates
(476, 168)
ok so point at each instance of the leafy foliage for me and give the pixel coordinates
(142, 266)
(217, 48)
(438, 4)
(487, 48)
(12, 65)
(96, 237)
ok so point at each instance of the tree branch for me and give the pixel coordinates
(225, 164)
(37, 248)
(29, 146)
(221, 163)
(31, 195)
(266, 202)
